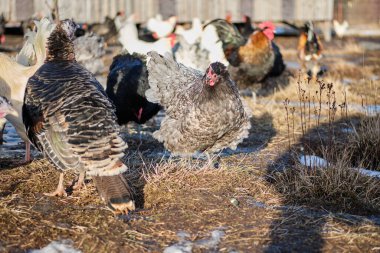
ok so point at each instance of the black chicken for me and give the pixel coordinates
(126, 85)
(2, 29)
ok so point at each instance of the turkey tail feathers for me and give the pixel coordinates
(115, 191)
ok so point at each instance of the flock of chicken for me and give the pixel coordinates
(55, 102)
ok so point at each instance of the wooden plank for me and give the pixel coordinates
(95, 10)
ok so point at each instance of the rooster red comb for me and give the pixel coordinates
(267, 25)
(268, 29)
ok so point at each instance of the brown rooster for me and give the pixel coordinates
(251, 59)
(310, 50)
(204, 111)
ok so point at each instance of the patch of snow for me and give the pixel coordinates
(64, 246)
(318, 162)
(186, 246)
(181, 247)
(369, 45)
(254, 203)
(347, 130)
(370, 173)
(212, 242)
(347, 81)
(313, 161)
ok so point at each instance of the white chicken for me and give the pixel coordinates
(340, 28)
(193, 34)
(128, 37)
(14, 75)
(161, 28)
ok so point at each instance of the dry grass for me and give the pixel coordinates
(319, 120)
(312, 89)
(364, 143)
(177, 177)
(337, 187)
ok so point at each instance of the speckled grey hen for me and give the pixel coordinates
(204, 112)
(69, 118)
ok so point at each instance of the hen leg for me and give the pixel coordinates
(27, 151)
(80, 183)
(60, 191)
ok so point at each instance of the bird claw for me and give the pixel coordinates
(79, 185)
(58, 193)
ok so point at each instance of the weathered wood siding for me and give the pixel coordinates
(95, 10)
(358, 12)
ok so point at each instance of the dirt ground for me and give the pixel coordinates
(229, 206)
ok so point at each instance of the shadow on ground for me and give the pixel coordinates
(306, 222)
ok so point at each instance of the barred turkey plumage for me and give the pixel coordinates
(69, 118)
(204, 111)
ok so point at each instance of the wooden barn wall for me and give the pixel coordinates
(358, 12)
(95, 10)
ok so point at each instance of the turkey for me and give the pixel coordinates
(204, 111)
(126, 85)
(14, 74)
(69, 118)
